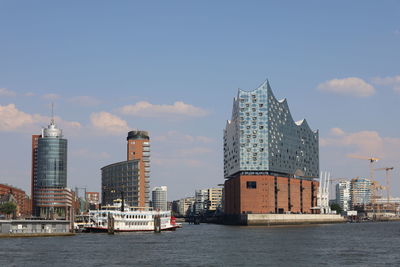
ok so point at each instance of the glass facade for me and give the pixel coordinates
(263, 137)
(52, 162)
(121, 177)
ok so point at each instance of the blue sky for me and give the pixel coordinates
(176, 65)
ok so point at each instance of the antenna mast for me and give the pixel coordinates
(52, 112)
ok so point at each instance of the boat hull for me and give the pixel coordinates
(92, 229)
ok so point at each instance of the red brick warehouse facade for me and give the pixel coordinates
(269, 194)
(23, 202)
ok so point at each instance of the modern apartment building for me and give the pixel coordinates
(50, 196)
(138, 148)
(184, 206)
(159, 198)
(360, 191)
(200, 201)
(214, 199)
(343, 196)
(130, 178)
(269, 159)
(119, 180)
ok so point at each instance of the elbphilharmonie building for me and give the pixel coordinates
(270, 160)
(262, 137)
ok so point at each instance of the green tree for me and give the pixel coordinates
(336, 207)
(8, 208)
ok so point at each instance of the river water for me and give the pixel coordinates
(358, 244)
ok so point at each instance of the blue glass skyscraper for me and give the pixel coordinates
(51, 198)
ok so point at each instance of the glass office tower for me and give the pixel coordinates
(51, 197)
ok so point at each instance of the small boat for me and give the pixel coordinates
(117, 218)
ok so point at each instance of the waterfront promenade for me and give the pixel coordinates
(357, 244)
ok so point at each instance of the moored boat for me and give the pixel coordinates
(118, 218)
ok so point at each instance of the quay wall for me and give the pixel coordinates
(27, 228)
(288, 219)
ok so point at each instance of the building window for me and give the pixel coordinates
(251, 185)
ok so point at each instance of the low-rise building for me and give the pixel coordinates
(22, 200)
(93, 198)
(184, 205)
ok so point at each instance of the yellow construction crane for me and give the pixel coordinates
(388, 181)
(371, 160)
(375, 186)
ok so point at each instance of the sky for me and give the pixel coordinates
(173, 68)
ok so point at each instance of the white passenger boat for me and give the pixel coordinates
(129, 219)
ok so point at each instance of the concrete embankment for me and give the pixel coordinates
(34, 235)
(288, 219)
(283, 219)
(35, 228)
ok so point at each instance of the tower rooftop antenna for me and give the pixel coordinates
(52, 112)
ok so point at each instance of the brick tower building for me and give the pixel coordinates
(138, 148)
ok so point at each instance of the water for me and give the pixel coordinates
(365, 244)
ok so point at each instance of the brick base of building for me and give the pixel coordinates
(263, 194)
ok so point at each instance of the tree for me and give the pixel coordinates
(336, 207)
(8, 208)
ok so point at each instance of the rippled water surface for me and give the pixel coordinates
(365, 244)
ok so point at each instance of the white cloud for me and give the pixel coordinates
(392, 81)
(29, 94)
(51, 96)
(368, 143)
(87, 101)
(6, 92)
(337, 132)
(352, 86)
(12, 119)
(178, 109)
(107, 123)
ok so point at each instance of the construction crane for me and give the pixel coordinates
(375, 188)
(388, 180)
(371, 160)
